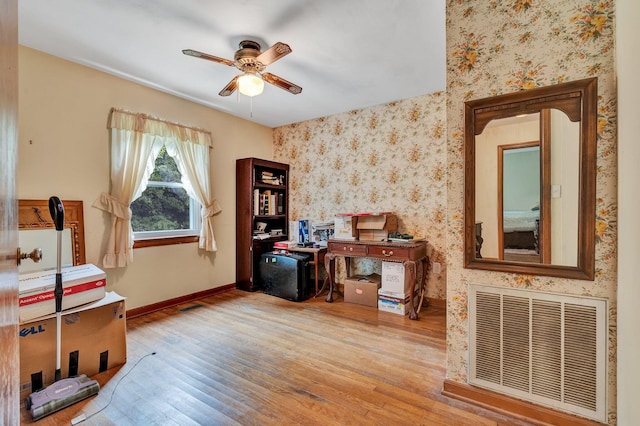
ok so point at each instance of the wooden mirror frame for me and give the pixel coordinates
(34, 214)
(578, 99)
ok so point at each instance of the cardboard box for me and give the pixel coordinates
(393, 277)
(82, 284)
(376, 227)
(396, 303)
(93, 339)
(285, 244)
(362, 289)
(345, 227)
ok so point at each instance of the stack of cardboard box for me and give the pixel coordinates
(93, 340)
(393, 296)
(93, 326)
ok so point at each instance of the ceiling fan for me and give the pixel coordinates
(252, 63)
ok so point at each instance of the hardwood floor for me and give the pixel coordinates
(241, 358)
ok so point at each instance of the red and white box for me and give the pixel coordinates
(285, 244)
(81, 284)
(396, 303)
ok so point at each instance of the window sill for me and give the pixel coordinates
(153, 242)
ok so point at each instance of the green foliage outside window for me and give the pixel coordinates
(164, 205)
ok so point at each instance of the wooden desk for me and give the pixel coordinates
(318, 258)
(412, 255)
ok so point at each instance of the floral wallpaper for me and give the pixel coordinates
(407, 156)
(501, 46)
(389, 157)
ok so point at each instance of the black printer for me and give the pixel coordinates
(285, 275)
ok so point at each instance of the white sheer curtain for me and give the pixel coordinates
(132, 162)
(193, 163)
(136, 140)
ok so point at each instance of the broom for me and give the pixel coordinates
(62, 392)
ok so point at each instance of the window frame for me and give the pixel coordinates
(168, 237)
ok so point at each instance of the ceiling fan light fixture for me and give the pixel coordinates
(252, 62)
(250, 84)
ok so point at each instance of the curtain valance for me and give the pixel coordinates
(143, 123)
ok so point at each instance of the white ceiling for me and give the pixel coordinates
(347, 54)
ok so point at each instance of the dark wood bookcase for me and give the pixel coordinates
(262, 196)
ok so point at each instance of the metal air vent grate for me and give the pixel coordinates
(545, 348)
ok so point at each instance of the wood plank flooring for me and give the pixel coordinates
(242, 358)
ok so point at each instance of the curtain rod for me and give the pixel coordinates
(150, 117)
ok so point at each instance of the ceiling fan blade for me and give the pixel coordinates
(206, 56)
(230, 87)
(281, 83)
(274, 53)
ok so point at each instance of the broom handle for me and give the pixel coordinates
(57, 215)
(60, 290)
(58, 374)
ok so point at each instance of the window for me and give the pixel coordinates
(164, 209)
(165, 214)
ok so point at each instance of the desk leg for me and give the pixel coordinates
(426, 264)
(329, 266)
(315, 263)
(410, 268)
(324, 286)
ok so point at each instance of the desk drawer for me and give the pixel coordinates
(348, 249)
(390, 253)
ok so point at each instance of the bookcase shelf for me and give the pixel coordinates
(254, 199)
(268, 186)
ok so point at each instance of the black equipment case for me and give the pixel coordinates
(285, 275)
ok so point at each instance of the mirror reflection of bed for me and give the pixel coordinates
(520, 235)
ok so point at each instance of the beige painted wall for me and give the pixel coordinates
(64, 151)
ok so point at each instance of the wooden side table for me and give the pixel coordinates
(412, 255)
(318, 259)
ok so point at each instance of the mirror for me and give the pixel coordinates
(530, 167)
(37, 230)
